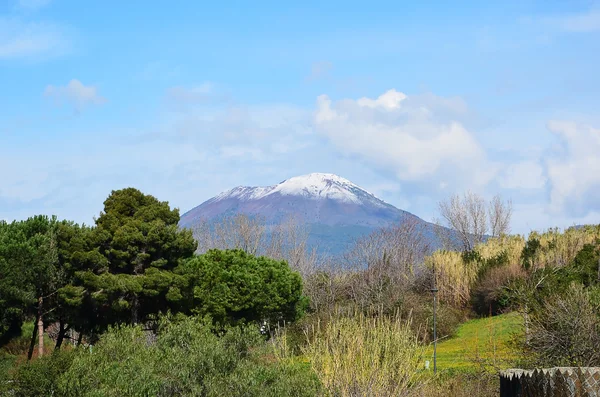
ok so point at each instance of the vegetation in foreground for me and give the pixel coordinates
(132, 309)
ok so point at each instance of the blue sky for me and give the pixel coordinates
(414, 101)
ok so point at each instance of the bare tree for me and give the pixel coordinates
(386, 262)
(472, 218)
(499, 215)
(234, 232)
(328, 285)
(287, 240)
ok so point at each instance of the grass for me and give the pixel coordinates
(479, 344)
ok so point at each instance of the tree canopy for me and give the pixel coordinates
(232, 286)
(134, 248)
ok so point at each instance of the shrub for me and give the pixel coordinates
(488, 297)
(360, 356)
(187, 357)
(7, 362)
(565, 330)
(455, 277)
(40, 377)
(586, 263)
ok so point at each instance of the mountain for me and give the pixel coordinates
(336, 210)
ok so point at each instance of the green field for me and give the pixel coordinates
(482, 343)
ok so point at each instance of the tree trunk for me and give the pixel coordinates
(32, 343)
(135, 306)
(40, 327)
(62, 330)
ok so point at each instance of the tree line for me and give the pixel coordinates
(130, 265)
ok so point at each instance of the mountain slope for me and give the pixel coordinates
(336, 209)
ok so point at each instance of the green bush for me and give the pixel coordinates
(186, 358)
(7, 362)
(40, 377)
(585, 265)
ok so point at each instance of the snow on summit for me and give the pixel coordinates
(335, 210)
(319, 185)
(311, 186)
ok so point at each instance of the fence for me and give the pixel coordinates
(553, 382)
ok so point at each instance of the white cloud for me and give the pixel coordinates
(574, 170)
(389, 100)
(20, 39)
(33, 4)
(527, 174)
(76, 94)
(416, 138)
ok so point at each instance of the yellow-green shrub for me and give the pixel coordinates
(362, 356)
(454, 276)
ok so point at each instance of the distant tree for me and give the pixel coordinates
(287, 240)
(135, 246)
(386, 261)
(233, 286)
(472, 219)
(499, 216)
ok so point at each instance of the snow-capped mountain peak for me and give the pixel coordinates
(321, 199)
(319, 185)
(335, 210)
(310, 186)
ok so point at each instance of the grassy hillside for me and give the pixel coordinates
(479, 343)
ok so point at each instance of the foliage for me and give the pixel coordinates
(586, 265)
(28, 270)
(358, 356)
(530, 252)
(134, 248)
(454, 277)
(7, 363)
(565, 330)
(480, 276)
(40, 377)
(556, 249)
(185, 358)
(489, 293)
(232, 286)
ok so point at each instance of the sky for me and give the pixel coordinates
(414, 101)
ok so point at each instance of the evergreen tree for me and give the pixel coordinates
(135, 246)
